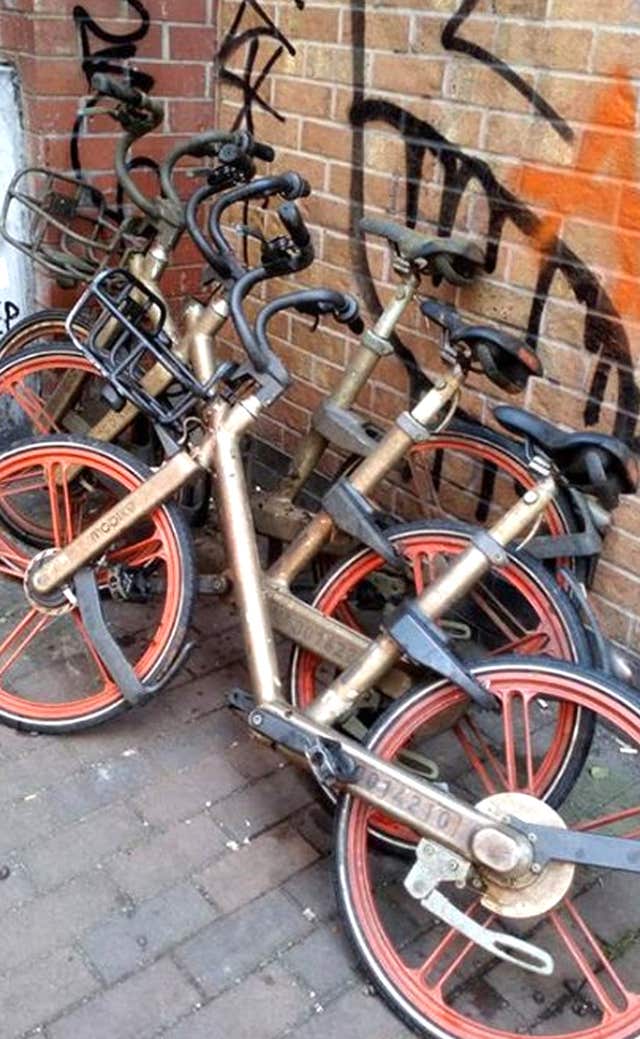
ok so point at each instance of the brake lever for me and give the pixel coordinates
(89, 110)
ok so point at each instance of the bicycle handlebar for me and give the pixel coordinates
(255, 343)
(290, 185)
(109, 86)
(211, 143)
(294, 224)
(341, 305)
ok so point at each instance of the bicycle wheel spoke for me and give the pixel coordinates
(509, 743)
(35, 408)
(466, 741)
(533, 642)
(12, 562)
(141, 552)
(608, 820)
(22, 485)
(26, 630)
(497, 613)
(61, 520)
(578, 946)
(442, 948)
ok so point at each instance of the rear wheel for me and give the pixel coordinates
(51, 677)
(444, 985)
(514, 608)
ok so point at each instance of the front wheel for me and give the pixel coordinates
(51, 676)
(444, 985)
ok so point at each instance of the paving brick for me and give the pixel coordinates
(178, 797)
(262, 1007)
(54, 919)
(128, 940)
(55, 760)
(76, 848)
(356, 1015)
(137, 1007)
(211, 654)
(15, 888)
(168, 857)
(315, 823)
(236, 944)
(194, 697)
(252, 759)
(257, 867)
(324, 962)
(26, 821)
(313, 890)
(100, 784)
(126, 733)
(35, 994)
(269, 800)
(183, 746)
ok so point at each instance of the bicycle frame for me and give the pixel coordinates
(427, 809)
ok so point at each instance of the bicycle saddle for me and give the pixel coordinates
(593, 462)
(451, 258)
(504, 358)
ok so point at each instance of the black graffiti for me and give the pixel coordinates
(250, 81)
(119, 48)
(451, 41)
(10, 313)
(604, 334)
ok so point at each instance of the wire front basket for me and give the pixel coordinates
(64, 225)
(129, 347)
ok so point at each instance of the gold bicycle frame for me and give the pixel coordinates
(398, 792)
(275, 513)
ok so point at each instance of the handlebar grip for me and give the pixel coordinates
(294, 224)
(109, 86)
(262, 151)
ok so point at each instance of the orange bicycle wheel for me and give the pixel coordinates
(51, 676)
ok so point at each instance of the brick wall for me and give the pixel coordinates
(55, 46)
(511, 120)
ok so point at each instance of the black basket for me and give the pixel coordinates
(129, 347)
(65, 225)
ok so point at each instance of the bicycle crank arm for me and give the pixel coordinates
(586, 849)
(400, 793)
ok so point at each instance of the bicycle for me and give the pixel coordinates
(488, 459)
(73, 242)
(508, 856)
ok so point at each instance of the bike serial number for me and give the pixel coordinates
(396, 795)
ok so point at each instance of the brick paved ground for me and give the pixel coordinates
(165, 876)
(168, 877)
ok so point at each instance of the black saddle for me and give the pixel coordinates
(595, 463)
(455, 260)
(504, 358)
